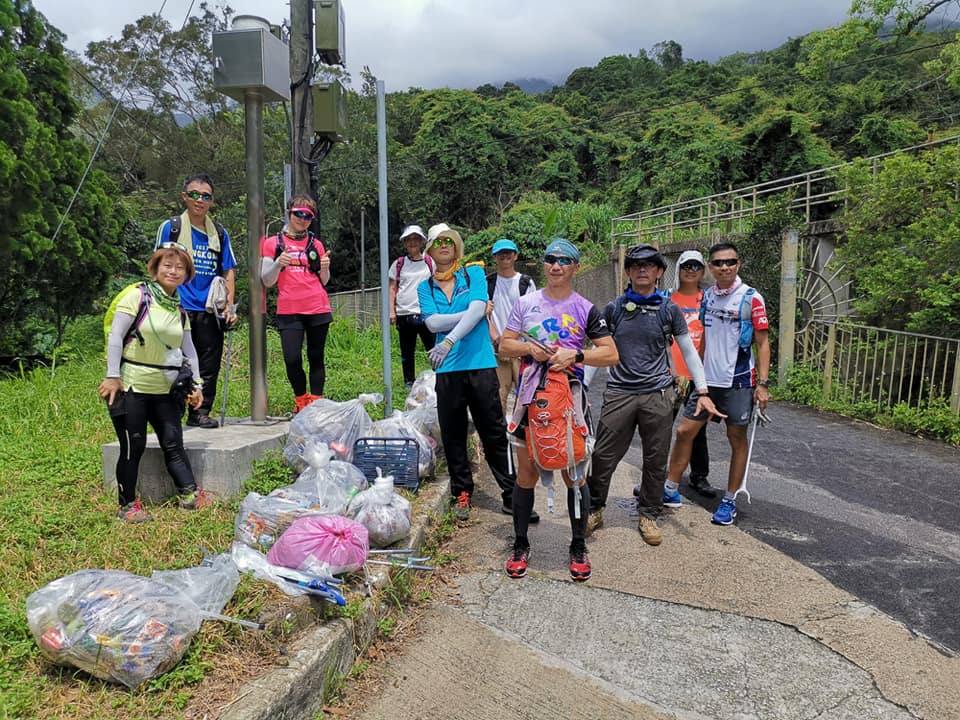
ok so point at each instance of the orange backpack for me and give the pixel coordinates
(556, 428)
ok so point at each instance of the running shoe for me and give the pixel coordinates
(579, 562)
(516, 566)
(726, 513)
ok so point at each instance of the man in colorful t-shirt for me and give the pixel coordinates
(209, 247)
(552, 326)
(734, 317)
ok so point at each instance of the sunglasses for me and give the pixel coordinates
(197, 195)
(444, 242)
(172, 246)
(561, 260)
(302, 214)
(725, 262)
(691, 267)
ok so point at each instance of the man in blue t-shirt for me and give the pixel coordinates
(209, 245)
(453, 304)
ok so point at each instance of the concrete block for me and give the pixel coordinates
(221, 459)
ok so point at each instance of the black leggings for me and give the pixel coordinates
(163, 413)
(291, 340)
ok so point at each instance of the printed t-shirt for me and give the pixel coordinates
(690, 307)
(725, 363)
(475, 350)
(193, 295)
(299, 291)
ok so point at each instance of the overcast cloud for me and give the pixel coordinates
(466, 43)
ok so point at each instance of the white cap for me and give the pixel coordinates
(413, 230)
(688, 255)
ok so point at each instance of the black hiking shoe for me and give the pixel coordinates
(507, 509)
(702, 486)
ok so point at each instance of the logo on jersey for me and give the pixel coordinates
(553, 330)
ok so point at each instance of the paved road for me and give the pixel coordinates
(875, 511)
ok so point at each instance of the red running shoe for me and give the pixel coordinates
(517, 562)
(579, 562)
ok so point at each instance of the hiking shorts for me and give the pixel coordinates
(735, 403)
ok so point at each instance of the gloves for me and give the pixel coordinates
(439, 353)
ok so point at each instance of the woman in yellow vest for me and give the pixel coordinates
(148, 341)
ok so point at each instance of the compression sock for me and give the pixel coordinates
(522, 507)
(578, 527)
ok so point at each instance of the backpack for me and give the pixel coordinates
(662, 317)
(525, 282)
(426, 258)
(746, 324)
(313, 257)
(556, 428)
(146, 299)
(221, 233)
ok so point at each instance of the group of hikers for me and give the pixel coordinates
(501, 348)
(496, 338)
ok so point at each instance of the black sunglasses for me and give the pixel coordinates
(728, 262)
(561, 260)
(197, 195)
(692, 267)
(303, 215)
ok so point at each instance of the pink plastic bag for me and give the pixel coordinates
(322, 544)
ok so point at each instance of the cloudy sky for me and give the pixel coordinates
(465, 43)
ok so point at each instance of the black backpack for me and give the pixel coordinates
(525, 282)
(221, 233)
(313, 257)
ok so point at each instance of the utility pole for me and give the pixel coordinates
(301, 99)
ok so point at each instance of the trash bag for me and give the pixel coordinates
(249, 560)
(327, 484)
(262, 518)
(420, 407)
(385, 514)
(322, 545)
(209, 585)
(115, 625)
(397, 425)
(337, 424)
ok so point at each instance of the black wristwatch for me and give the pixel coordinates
(763, 383)
(579, 357)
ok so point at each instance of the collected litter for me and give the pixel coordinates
(292, 582)
(399, 425)
(322, 546)
(335, 424)
(385, 514)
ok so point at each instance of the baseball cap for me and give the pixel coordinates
(412, 230)
(691, 256)
(504, 244)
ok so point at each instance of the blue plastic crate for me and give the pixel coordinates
(399, 457)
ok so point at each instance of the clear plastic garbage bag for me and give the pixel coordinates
(385, 514)
(336, 424)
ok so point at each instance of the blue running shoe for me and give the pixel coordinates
(726, 513)
(672, 499)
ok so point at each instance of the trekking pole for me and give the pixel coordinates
(226, 374)
(758, 418)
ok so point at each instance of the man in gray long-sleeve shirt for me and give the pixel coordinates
(640, 393)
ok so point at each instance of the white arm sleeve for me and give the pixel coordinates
(190, 352)
(589, 372)
(692, 358)
(474, 313)
(269, 272)
(443, 323)
(119, 327)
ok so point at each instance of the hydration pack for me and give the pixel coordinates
(556, 427)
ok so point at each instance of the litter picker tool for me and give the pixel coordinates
(226, 373)
(758, 418)
(402, 558)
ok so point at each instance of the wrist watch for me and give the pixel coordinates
(763, 383)
(579, 357)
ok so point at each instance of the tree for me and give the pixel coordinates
(41, 163)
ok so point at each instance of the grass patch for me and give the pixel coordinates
(56, 518)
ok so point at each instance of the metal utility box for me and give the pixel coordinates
(329, 110)
(251, 59)
(330, 32)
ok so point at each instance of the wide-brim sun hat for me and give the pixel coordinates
(644, 253)
(442, 230)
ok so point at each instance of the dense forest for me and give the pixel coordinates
(632, 132)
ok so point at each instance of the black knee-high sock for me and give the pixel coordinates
(522, 507)
(578, 527)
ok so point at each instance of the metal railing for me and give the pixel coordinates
(729, 211)
(882, 367)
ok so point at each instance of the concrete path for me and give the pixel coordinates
(713, 623)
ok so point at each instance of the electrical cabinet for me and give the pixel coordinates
(329, 31)
(251, 59)
(329, 110)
